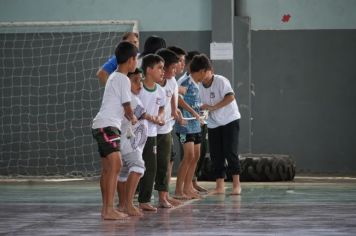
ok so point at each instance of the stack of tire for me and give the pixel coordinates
(256, 167)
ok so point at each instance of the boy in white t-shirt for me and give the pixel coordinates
(218, 97)
(164, 137)
(153, 98)
(107, 124)
(132, 142)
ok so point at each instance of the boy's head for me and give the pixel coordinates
(135, 78)
(181, 55)
(126, 53)
(153, 67)
(189, 58)
(200, 67)
(170, 62)
(153, 44)
(131, 37)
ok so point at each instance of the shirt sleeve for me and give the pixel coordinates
(110, 65)
(226, 87)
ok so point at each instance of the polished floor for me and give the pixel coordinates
(306, 206)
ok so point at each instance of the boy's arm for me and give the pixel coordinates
(160, 118)
(102, 76)
(182, 90)
(229, 98)
(174, 107)
(185, 106)
(107, 68)
(129, 113)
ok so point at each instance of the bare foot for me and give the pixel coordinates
(173, 201)
(147, 207)
(114, 215)
(121, 209)
(217, 191)
(200, 188)
(193, 195)
(134, 211)
(164, 204)
(182, 197)
(236, 191)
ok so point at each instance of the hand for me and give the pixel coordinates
(160, 121)
(175, 114)
(207, 107)
(182, 90)
(134, 120)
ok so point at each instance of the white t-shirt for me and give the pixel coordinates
(117, 92)
(182, 78)
(214, 94)
(171, 89)
(140, 129)
(152, 100)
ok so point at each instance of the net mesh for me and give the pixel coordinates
(50, 94)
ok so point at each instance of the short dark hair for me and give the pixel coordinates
(136, 72)
(150, 60)
(153, 44)
(124, 51)
(179, 51)
(127, 35)
(168, 56)
(190, 55)
(200, 62)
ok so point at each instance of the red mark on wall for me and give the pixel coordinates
(286, 18)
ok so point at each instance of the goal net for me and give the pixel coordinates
(49, 95)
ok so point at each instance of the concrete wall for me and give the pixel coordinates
(153, 15)
(304, 14)
(302, 76)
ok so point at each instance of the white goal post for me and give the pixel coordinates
(49, 94)
(134, 23)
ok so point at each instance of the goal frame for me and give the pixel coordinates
(71, 23)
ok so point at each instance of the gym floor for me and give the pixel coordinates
(305, 206)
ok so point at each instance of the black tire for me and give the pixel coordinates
(256, 167)
(267, 167)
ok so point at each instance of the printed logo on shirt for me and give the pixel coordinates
(212, 95)
(158, 101)
(169, 93)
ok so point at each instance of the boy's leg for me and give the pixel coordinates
(188, 184)
(230, 151)
(216, 151)
(203, 150)
(164, 143)
(146, 183)
(135, 170)
(112, 165)
(171, 200)
(132, 182)
(103, 177)
(121, 191)
(121, 185)
(188, 148)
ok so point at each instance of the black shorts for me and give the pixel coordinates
(104, 138)
(186, 138)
